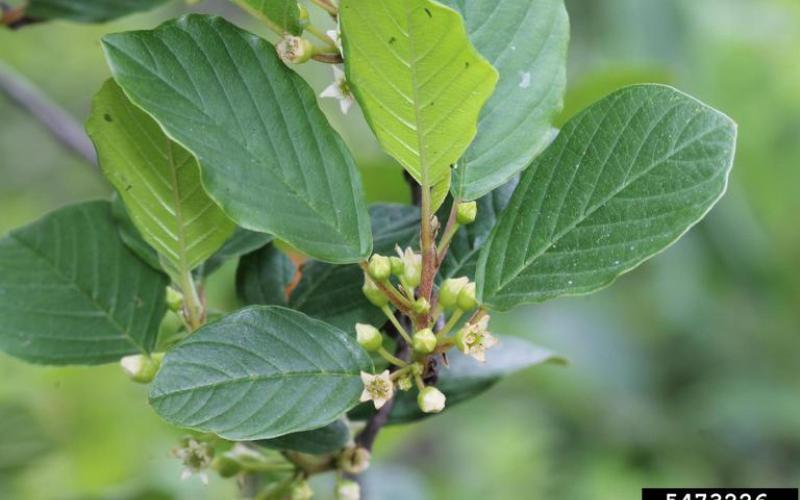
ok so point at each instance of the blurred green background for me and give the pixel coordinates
(685, 373)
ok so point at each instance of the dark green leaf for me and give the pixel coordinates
(466, 378)
(263, 276)
(328, 439)
(260, 373)
(87, 11)
(623, 181)
(268, 155)
(72, 292)
(526, 41)
(283, 13)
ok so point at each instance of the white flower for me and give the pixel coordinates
(377, 388)
(474, 339)
(340, 90)
(196, 457)
(186, 473)
(336, 36)
(412, 266)
(431, 400)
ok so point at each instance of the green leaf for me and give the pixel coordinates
(462, 256)
(72, 292)
(268, 155)
(333, 293)
(333, 437)
(623, 181)
(526, 40)
(87, 11)
(131, 236)
(464, 377)
(260, 373)
(285, 14)
(263, 277)
(242, 242)
(159, 182)
(419, 81)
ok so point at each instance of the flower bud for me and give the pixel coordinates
(466, 297)
(294, 49)
(380, 267)
(421, 306)
(226, 466)
(431, 400)
(354, 460)
(301, 490)
(373, 293)
(397, 266)
(369, 337)
(424, 341)
(174, 299)
(448, 293)
(405, 383)
(141, 368)
(348, 490)
(466, 212)
(412, 267)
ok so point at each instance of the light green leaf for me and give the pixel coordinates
(624, 180)
(464, 377)
(260, 373)
(268, 155)
(526, 40)
(159, 182)
(87, 11)
(131, 236)
(72, 293)
(420, 82)
(462, 256)
(285, 14)
(263, 277)
(333, 437)
(333, 293)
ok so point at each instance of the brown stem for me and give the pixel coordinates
(328, 58)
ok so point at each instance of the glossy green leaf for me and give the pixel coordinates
(462, 256)
(333, 293)
(87, 11)
(260, 373)
(269, 157)
(526, 40)
(72, 292)
(285, 14)
(623, 181)
(328, 439)
(263, 277)
(464, 378)
(159, 182)
(419, 81)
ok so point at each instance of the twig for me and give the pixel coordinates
(61, 125)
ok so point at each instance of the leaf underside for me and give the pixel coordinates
(72, 292)
(260, 373)
(624, 180)
(268, 155)
(87, 11)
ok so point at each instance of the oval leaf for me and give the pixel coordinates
(264, 276)
(419, 81)
(159, 182)
(328, 439)
(72, 293)
(260, 373)
(526, 40)
(269, 157)
(624, 180)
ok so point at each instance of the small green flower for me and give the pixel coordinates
(474, 339)
(377, 388)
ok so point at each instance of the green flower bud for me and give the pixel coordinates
(373, 293)
(380, 268)
(174, 299)
(431, 400)
(448, 293)
(405, 383)
(424, 341)
(421, 306)
(294, 49)
(369, 337)
(397, 266)
(226, 466)
(412, 267)
(466, 212)
(354, 460)
(301, 490)
(348, 490)
(466, 297)
(141, 368)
